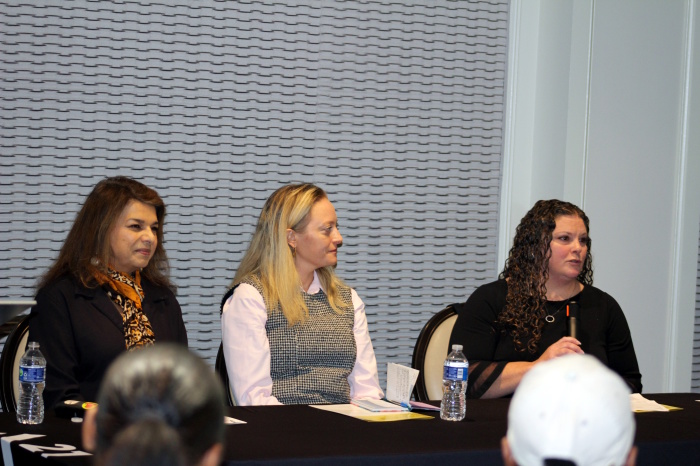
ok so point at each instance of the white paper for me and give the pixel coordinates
(641, 404)
(399, 383)
(230, 421)
(379, 406)
(349, 410)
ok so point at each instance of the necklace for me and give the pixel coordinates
(550, 315)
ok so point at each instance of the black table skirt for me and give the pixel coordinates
(304, 435)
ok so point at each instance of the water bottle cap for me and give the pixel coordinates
(33, 345)
(457, 347)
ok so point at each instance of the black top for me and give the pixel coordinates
(80, 332)
(602, 331)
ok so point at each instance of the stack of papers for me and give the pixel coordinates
(397, 406)
(643, 405)
(380, 406)
(367, 415)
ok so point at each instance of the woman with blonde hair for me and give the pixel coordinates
(292, 332)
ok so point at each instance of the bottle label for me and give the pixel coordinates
(31, 374)
(455, 372)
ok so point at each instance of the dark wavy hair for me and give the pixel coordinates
(158, 405)
(527, 271)
(86, 248)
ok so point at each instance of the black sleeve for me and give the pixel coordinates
(51, 327)
(620, 350)
(177, 313)
(475, 330)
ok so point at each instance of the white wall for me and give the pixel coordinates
(603, 111)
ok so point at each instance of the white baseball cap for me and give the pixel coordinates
(571, 408)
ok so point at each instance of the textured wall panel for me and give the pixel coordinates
(395, 108)
(695, 379)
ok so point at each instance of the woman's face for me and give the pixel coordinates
(134, 237)
(317, 244)
(569, 248)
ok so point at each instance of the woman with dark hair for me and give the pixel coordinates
(158, 406)
(292, 332)
(107, 292)
(509, 325)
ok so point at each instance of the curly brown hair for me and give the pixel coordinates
(527, 271)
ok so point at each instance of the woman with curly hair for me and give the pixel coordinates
(508, 326)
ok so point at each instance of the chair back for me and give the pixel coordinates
(220, 367)
(12, 352)
(430, 352)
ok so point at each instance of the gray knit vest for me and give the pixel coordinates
(310, 362)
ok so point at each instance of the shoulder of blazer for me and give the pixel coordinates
(70, 288)
(154, 292)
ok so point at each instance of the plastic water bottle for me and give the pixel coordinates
(32, 376)
(454, 386)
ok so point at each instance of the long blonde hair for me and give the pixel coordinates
(270, 257)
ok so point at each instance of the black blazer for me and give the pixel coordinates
(80, 332)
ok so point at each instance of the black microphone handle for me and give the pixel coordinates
(572, 324)
(572, 313)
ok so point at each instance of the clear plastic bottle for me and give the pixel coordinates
(32, 376)
(454, 386)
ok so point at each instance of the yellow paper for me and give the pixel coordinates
(365, 415)
(390, 417)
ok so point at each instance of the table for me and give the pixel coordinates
(304, 435)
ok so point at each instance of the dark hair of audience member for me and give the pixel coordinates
(146, 442)
(158, 405)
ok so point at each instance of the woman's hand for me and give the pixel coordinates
(513, 372)
(566, 345)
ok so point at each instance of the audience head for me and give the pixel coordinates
(284, 247)
(157, 405)
(94, 241)
(570, 410)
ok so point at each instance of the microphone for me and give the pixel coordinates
(572, 317)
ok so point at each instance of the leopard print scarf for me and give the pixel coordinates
(126, 293)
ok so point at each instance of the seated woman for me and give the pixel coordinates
(107, 292)
(292, 332)
(509, 325)
(158, 406)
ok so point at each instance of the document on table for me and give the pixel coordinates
(231, 421)
(380, 406)
(399, 386)
(400, 381)
(365, 415)
(643, 405)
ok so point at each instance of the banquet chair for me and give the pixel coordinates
(430, 352)
(12, 352)
(220, 367)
